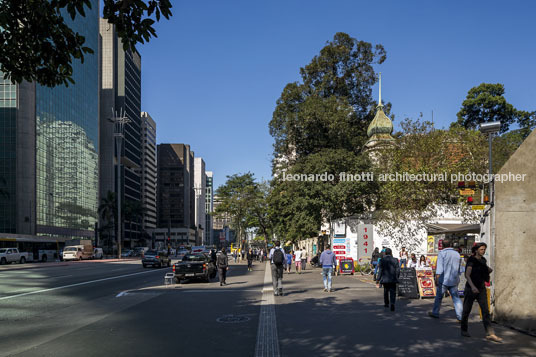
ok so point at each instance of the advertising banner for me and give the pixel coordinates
(365, 242)
(339, 229)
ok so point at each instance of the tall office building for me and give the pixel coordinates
(200, 181)
(121, 95)
(49, 148)
(148, 171)
(209, 207)
(175, 195)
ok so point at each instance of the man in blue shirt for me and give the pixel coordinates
(327, 262)
(447, 279)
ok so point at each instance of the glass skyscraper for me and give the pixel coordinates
(51, 148)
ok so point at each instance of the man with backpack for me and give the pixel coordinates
(277, 265)
(222, 262)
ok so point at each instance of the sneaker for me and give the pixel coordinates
(465, 334)
(493, 338)
(386, 305)
(431, 314)
(325, 290)
(392, 307)
(331, 290)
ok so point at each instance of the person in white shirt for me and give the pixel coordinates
(413, 261)
(297, 260)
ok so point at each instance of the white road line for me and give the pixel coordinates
(223, 290)
(77, 284)
(267, 340)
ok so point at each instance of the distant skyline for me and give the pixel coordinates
(212, 77)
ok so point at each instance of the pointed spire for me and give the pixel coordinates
(380, 96)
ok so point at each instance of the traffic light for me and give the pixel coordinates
(470, 200)
(486, 199)
(461, 185)
(471, 185)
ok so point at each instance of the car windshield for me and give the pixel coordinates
(151, 252)
(193, 258)
(70, 249)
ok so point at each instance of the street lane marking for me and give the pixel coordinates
(77, 284)
(267, 339)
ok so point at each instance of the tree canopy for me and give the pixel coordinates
(486, 103)
(37, 44)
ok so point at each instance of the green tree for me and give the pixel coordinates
(37, 44)
(333, 105)
(486, 103)
(236, 196)
(108, 213)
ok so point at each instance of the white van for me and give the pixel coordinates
(76, 252)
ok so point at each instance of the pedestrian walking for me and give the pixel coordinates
(297, 260)
(403, 257)
(374, 260)
(388, 273)
(447, 279)
(222, 263)
(234, 255)
(249, 257)
(477, 274)
(288, 256)
(327, 262)
(303, 258)
(277, 264)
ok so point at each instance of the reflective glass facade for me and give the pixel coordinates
(67, 143)
(8, 126)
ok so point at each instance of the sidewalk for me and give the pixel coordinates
(352, 321)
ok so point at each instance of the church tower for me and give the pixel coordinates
(381, 127)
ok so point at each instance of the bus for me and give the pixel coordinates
(40, 248)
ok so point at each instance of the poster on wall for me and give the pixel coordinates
(365, 242)
(431, 241)
(339, 229)
(426, 283)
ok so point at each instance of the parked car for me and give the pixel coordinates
(127, 253)
(98, 253)
(156, 258)
(194, 265)
(12, 255)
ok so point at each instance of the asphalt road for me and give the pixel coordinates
(101, 308)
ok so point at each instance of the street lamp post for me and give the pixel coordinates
(119, 135)
(490, 129)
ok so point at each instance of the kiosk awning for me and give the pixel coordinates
(453, 228)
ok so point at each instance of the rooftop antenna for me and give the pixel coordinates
(380, 96)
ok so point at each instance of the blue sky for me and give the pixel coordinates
(213, 75)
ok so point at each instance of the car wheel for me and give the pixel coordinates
(159, 265)
(22, 260)
(177, 280)
(169, 263)
(44, 258)
(3, 261)
(144, 265)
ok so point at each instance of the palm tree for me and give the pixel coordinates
(108, 213)
(133, 212)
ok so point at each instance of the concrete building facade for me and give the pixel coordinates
(175, 190)
(515, 243)
(200, 181)
(209, 207)
(120, 95)
(148, 171)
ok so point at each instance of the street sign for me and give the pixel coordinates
(467, 192)
(477, 207)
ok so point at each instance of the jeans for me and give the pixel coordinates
(326, 273)
(403, 263)
(389, 293)
(453, 291)
(277, 278)
(482, 298)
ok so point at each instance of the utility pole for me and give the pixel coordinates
(119, 135)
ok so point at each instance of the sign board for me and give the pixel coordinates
(365, 242)
(426, 282)
(339, 241)
(467, 192)
(477, 207)
(339, 229)
(430, 244)
(222, 236)
(346, 266)
(407, 283)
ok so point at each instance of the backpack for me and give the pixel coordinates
(278, 257)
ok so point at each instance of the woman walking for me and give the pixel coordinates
(477, 274)
(249, 257)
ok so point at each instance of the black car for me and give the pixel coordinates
(156, 259)
(194, 265)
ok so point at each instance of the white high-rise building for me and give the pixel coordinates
(200, 181)
(209, 207)
(148, 171)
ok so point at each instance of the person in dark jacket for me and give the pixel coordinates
(388, 273)
(222, 262)
(249, 257)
